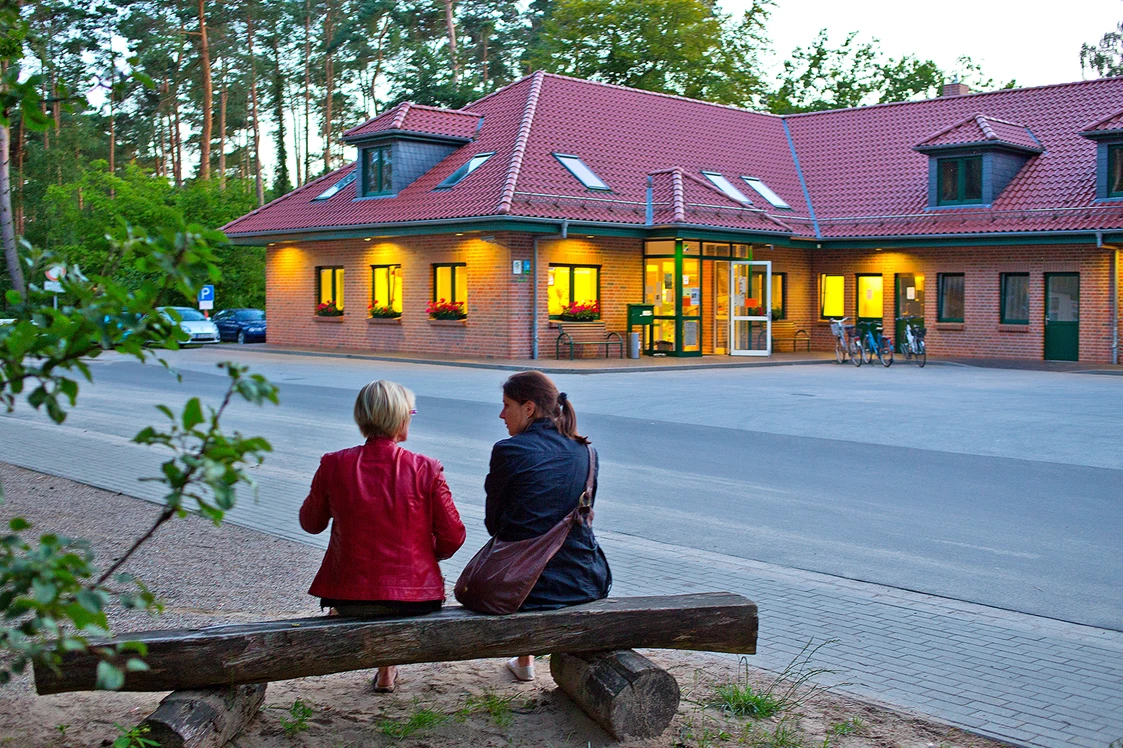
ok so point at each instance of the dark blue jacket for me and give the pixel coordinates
(535, 480)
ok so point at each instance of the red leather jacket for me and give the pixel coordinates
(393, 520)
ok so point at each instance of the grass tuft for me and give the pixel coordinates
(497, 707)
(422, 719)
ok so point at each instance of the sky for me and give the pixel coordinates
(1034, 42)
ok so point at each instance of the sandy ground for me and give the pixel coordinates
(207, 575)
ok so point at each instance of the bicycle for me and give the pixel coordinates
(873, 343)
(913, 343)
(843, 335)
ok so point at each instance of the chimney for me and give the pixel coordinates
(955, 88)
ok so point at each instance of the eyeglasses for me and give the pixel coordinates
(413, 411)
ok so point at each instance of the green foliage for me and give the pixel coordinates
(740, 700)
(850, 726)
(785, 693)
(1106, 58)
(856, 73)
(297, 721)
(134, 738)
(685, 47)
(421, 719)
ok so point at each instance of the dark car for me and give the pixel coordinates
(243, 325)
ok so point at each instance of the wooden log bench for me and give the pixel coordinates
(583, 334)
(784, 331)
(218, 674)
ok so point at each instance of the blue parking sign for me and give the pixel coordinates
(206, 297)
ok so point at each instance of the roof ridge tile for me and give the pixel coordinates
(520, 144)
(400, 117)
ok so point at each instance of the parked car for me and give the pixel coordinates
(194, 323)
(243, 325)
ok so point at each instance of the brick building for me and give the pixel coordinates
(996, 217)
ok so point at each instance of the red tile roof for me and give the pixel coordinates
(980, 129)
(409, 117)
(858, 165)
(1110, 123)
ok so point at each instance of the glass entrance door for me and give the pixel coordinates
(910, 303)
(750, 319)
(1062, 316)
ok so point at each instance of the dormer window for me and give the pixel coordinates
(1115, 170)
(377, 172)
(960, 180)
(583, 173)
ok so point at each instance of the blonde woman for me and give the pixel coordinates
(392, 519)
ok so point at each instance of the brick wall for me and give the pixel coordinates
(980, 334)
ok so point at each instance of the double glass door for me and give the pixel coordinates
(750, 320)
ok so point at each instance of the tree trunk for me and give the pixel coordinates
(281, 183)
(112, 115)
(222, 129)
(451, 24)
(207, 718)
(20, 142)
(256, 114)
(208, 94)
(177, 139)
(378, 63)
(329, 72)
(624, 692)
(280, 650)
(7, 227)
(307, 89)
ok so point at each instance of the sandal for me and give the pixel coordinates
(385, 689)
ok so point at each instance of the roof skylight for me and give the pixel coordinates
(583, 173)
(727, 187)
(766, 192)
(465, 169)
(332, 191)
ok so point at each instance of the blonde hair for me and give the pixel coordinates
(382, 409)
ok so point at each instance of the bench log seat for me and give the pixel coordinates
(786, 332)
(582, 334)
(626, 693)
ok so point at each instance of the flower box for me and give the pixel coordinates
(384, 320)
(448, 322)
(323, 318)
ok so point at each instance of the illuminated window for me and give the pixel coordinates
(1015, 299)
(950, 297)
(467, 168)
(386, 286)
(726, 186)
(870, 304)
(329, 286)
(450, 282)
(573, 284)
(583, 173)
(377, 172)
(831, 293)
(779, 311)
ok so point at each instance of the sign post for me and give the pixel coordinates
(55, 274)
(206, 298)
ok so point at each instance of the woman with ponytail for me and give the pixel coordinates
(536, 479)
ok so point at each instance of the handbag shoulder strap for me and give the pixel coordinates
(589, 493)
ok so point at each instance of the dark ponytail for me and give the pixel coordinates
(535, 387)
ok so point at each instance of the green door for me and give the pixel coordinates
(910, 303)
(1062, 316)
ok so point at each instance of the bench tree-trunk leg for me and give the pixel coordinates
(623, 691)
(206, 718)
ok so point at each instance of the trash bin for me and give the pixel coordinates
(633, 345)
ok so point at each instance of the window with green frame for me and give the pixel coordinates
(568, 285)
(1115, 170)
(959, 180)
(450, 282)
(377, 172)
(832, 290)
(386, 286)
(1014, 301)
(329, 286)
(949, 299)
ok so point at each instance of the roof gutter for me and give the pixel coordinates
(802, 181)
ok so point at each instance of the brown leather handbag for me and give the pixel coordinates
(500, 576)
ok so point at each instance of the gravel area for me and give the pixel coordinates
(207, 575)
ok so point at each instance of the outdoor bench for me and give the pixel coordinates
(586, 334)
(786, 332)
(218, 674)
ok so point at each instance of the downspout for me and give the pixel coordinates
(564, 233)
(1114, 294)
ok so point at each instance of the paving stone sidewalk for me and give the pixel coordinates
(1020, 678)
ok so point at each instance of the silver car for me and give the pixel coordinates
(192, 322)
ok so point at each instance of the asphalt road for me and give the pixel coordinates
(1003, 488)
